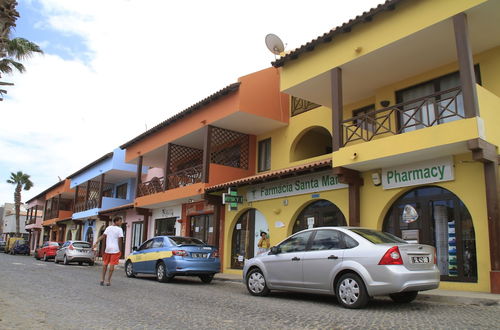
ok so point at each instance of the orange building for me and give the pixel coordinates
(211, 142)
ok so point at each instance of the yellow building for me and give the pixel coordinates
(392, 126)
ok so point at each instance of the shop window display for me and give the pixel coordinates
(441, 220)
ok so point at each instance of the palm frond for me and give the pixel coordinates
(21, 48)
(6, 65)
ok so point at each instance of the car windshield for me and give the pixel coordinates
(21, 242)
(81, 244)
(54, 244)
(186, 241)
(377, 237)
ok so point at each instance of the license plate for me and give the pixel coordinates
(420, 260)
(198, 255)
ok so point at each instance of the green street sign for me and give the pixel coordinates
(232, 198)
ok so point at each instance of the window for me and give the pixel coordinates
(179, 241)
(327, 240)
(146, 245)
(436, 102)
(297, 243)
(157, 243)
(366, 118)
(264, 155)
(121, 191)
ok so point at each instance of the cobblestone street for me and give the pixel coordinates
(37, 294)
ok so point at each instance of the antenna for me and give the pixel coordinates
(274, 44)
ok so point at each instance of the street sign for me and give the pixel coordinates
(232, 199)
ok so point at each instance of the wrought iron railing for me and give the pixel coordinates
(423, 112)
(177, 179)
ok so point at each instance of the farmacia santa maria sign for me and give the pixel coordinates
(311, 183)
(429, 171)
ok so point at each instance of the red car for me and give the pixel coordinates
(47, 251)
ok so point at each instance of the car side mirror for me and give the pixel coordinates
(134, 248)
(275, 250)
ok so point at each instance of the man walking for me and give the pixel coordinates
(114, 239)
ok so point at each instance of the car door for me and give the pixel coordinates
(284, 269)
(152, 255)
(139, 257)
(60, 252)
(322, 258)
(41, 251)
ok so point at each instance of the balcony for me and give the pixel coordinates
(428, 127)
(427, 111)
(189, 168)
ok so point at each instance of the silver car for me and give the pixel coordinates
(75, 251)
(352, 263)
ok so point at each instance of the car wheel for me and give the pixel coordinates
(351, 291)
(80, 263)
(129, 269)
(45, 258)
(65, 260)
(404, 297)
(207, 278)
(91, 263)
(162, 273)
(256, 283)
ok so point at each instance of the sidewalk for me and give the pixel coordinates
(437, 295)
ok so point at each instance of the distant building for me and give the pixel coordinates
(8, 220)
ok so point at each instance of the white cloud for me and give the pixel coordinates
(148, 60)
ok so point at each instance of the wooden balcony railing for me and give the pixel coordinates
(83, 206)
(177, 179)
(431, 110)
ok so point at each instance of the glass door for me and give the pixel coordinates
(136, 235)
(203, 228)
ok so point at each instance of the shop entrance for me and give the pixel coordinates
(90, 235)
(321, 213)
(246, 235)
(136, 235)
(203, 228)
(165, 227)
(437, 217)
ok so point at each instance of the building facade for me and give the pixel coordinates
(402, 101)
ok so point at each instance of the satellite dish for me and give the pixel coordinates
(274, 44)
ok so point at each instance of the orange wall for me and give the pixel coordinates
(260, 95)
(220, 174)
(62, 188)
(169, 195)
(194, 121)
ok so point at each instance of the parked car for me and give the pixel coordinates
(47, 251)
(352, 263)
(75, 251)
(20, 247)
(2, 245)
(170, 256)
(10, 243)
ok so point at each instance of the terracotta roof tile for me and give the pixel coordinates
(367, 16)
(274, 175)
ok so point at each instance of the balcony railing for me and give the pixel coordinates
(86, 205)
(177, 179)
(427, 111)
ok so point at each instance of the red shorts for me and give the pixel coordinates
(111, 258)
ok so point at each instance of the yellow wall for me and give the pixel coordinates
(408, 18)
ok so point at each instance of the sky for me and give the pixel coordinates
(115, 68)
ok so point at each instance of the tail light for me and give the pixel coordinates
(71, 247)
(180, 253)
(215, 254)
(391, 257)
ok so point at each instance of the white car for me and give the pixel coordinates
(352, 263)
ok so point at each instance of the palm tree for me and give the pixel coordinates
(21, 180)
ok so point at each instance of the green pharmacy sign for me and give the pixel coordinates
(232, 199)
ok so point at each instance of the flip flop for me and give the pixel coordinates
(108, 284)
(102, 283)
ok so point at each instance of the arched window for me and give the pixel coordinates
(321, 213)
(316, 141)
(246, 234)
(436, 216)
